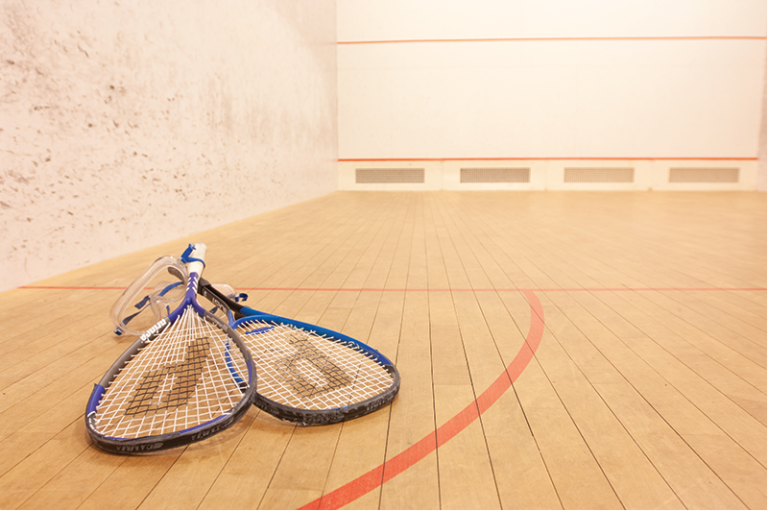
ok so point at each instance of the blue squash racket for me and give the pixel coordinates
(309, 374)
(186, 378)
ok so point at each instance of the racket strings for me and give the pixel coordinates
(322, 375)
(182, 379)
(186, 376)
(310, 371)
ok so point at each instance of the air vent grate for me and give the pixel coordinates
(389, 175)
(703, 175)
(599, 175)
(495, 175)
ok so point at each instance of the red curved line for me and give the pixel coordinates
(406, 459)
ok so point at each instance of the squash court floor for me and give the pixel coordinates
(557, 350)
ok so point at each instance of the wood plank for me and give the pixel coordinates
(519, 469)
(127, 485)
(692, 355)
(244, 480)
(632, 476)
(685, 417)
(693, 482)
(362, 444)
(27, 477)
(413, 412)
(466, 473)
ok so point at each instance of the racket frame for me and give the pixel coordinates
(240, 314)
(185, 436)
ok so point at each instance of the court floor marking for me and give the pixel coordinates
(409, 457)
(425, 290)
(401, 462)
(444, 433)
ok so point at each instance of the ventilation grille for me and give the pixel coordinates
(599, 175)
(688, 175)
(495, 175)
(389, 175)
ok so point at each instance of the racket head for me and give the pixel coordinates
(312, 375)
(309, 374)
(188, 377)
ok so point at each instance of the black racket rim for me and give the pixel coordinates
(331, 415)
(302, 415)
(174, 439)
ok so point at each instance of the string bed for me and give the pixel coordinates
(185, 377)
(309, 371)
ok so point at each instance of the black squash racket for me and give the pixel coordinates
(188, 377)
(309, 374)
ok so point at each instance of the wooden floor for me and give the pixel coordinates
(557, 350)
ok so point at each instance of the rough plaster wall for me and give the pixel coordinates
(128, 124)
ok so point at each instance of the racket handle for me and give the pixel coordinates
(194, 256)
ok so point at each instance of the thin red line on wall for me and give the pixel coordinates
(544, 39)
(559, 158)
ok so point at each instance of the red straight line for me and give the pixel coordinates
(72, 287)
(501, 290)
(418, 451)
(558, 158)
(543, 39)
(437, 290)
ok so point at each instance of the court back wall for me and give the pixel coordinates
(128, 124)
(598, 83)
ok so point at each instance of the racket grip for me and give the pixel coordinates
(194, 256)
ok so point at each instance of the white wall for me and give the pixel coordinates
(128, 124)
(428, 80)
(380, 20)
(762, 176)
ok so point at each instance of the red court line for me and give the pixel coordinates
(71, 287)
(556, 39)
(438, 290)
(418, 451)
(494, 290)
(558, 158)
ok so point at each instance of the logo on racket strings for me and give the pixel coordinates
(150, 396)
(309, 372)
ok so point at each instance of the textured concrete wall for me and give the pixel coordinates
(127, 124)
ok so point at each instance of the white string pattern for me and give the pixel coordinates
(178, 381)
(310, 371)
